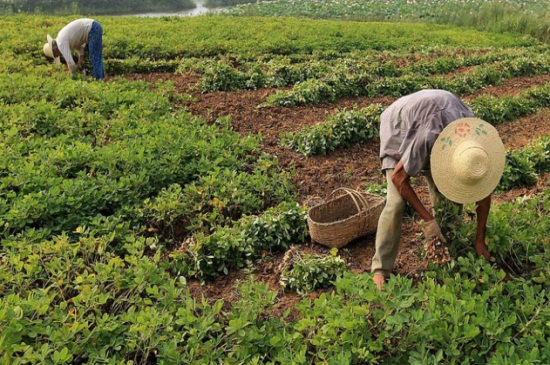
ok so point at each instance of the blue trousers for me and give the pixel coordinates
(95, 47)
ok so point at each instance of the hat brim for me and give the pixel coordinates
(447, 180)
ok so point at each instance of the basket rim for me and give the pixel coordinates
(378, 201)
(339, 232)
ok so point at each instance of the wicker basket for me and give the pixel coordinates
(340, 220)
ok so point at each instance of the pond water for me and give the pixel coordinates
(199, 10)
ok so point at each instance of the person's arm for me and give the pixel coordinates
(482, 210)
(65, 51)
(80, 57)
(401, 180)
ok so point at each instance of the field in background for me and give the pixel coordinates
(522, 17)
(149, 218)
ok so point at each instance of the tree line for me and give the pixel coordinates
(92, 7)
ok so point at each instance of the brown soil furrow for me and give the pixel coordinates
(519, 133)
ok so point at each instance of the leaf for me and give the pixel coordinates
(471, 331)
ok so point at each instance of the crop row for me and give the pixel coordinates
(135, 44)
(276, 70)
(523, 166)
(338, 131)
(241, 72)
(357, 126)
(236, 246)
(216, 199)
(340, 85)
(224, 75)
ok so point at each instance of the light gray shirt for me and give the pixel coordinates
(73, 36)
(410, 126)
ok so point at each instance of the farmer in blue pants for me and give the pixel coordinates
(76, 36)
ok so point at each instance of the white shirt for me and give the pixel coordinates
(73, 36)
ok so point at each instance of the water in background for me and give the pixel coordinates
(199, 10)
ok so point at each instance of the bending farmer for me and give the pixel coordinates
(434, 134)
(76, 36)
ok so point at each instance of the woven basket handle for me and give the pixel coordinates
(358, 199)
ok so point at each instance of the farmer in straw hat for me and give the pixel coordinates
(433, 133)
(75, 36)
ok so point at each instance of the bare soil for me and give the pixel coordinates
(316, 177)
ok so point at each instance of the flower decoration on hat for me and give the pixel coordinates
(462, 129)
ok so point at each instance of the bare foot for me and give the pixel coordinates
(379, 279)
(481, 250)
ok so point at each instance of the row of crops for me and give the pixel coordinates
(112, 199)
(364, 72)
(358, 126)
(328, 77)
(341, 84)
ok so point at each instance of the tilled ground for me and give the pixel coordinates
(316, 177)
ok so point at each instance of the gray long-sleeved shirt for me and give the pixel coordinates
(410, 126)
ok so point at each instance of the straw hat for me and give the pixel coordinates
(48, 49)
(467, 160)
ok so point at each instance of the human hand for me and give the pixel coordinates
(432, 230)
(379, 279)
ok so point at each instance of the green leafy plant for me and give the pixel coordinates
(524, 165)
(340, 130)
(307, 272)
(234, 247)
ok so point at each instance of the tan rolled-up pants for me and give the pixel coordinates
(388, 233)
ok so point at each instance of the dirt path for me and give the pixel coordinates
(354, 167)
